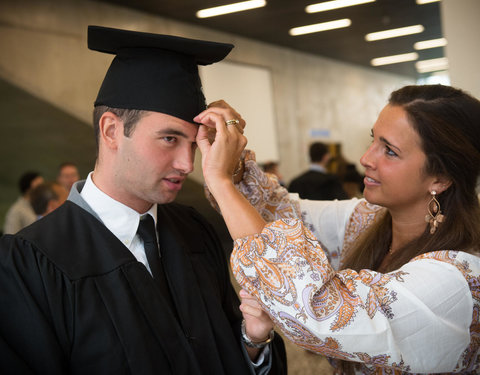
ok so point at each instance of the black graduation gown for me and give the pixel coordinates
(74, 300)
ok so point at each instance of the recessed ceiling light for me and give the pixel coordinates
(394, 59)
(420, 2)
(231, 8)
(334, 4)
(316, 28)
(393, 33)
(432, 43)
(432, 65)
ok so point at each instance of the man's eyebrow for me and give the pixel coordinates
(384, 140)
(171, 131)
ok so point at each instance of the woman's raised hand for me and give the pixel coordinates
(220, 140)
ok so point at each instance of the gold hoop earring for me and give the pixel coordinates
(434, 216)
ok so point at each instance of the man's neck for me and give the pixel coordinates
(318, 167)
(106, 186)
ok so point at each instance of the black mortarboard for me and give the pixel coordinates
(154, 72)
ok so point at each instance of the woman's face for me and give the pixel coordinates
(394, 164)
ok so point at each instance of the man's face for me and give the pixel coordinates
(153, 162)
(68, 176)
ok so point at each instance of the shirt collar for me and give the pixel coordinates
(318, 168)
(120, 219)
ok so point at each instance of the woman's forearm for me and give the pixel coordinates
(240, 217)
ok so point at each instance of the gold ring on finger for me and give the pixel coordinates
(232, 122)
(236, 123)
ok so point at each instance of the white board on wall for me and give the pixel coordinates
(248, 89)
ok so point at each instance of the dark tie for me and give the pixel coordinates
(146, 231)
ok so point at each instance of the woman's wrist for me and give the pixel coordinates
(218, 186)
(237, 175)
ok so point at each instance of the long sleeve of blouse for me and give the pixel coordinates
(422, 318)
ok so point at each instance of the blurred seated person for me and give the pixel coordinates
(352, 181)
(272, 168)
(21, 213)
(67, 175)
(46, 197)
(317, 183)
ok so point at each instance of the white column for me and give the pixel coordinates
(461, 28)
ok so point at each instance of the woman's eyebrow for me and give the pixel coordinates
(384, 140)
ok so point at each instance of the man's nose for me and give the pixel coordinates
(184, 160)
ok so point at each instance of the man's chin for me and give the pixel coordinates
(167, 198)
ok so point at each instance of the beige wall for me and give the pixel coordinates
(44, 52)
(462, 29)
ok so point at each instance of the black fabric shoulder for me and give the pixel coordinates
(70, 233)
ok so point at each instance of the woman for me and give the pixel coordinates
(406, 295)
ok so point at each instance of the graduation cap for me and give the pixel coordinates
(154, 72)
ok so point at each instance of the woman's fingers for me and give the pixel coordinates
(223, 109)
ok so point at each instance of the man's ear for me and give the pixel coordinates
(110, 130)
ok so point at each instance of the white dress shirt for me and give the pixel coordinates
(121, 220)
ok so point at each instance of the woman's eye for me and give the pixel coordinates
(389, 151)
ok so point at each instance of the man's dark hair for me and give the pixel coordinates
(26, 179)
(41, 195)
(269, 166)
(317, 151)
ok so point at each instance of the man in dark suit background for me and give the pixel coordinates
(317, 183)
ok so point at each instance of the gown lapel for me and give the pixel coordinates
(187, 295)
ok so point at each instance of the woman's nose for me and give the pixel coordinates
(367, 160)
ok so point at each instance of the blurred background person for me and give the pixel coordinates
(46, 197)
(67, 175)
(272, 168)
(352, 181)
(21, 213)
(317, 183)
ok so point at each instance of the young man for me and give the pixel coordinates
(84, 289)
(67, 175)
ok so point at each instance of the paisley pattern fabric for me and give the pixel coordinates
(263, 191)
(417, 319)
(364, 216)
(422, 318)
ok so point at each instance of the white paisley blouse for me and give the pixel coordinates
(422, 318)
